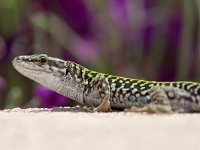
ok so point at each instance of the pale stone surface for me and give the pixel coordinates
(31, 130)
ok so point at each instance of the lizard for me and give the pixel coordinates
(103, 92)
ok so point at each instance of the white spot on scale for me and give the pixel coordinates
(116, 94)
(198, 98)
(189, 87)
(170, 94)
(103, 85)
(114, 100)
(196, 90)
(193, 98)
(137, 95)
(127, 95)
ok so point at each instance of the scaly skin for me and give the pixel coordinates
(103, 92)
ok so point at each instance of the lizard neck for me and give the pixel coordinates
(71, 84)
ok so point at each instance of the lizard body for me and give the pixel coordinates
(103, 91)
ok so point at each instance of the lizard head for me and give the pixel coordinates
(41, 68)
(58, 75)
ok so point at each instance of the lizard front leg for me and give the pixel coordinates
(97, 94)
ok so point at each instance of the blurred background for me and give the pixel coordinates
(146, 39)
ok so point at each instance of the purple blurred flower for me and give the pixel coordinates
(85, 49)
(150, 3)
(79, 17)
(50, 98)
(174, 26)
(147, 33)
(75, 13)
(2, 84)
(121, 17)
(118, 10)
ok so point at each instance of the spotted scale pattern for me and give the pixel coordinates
(126, 92)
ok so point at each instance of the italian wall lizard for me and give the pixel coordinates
(103, 92)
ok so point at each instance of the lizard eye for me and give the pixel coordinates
(43, 60)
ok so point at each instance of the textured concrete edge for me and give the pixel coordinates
(55, 109)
